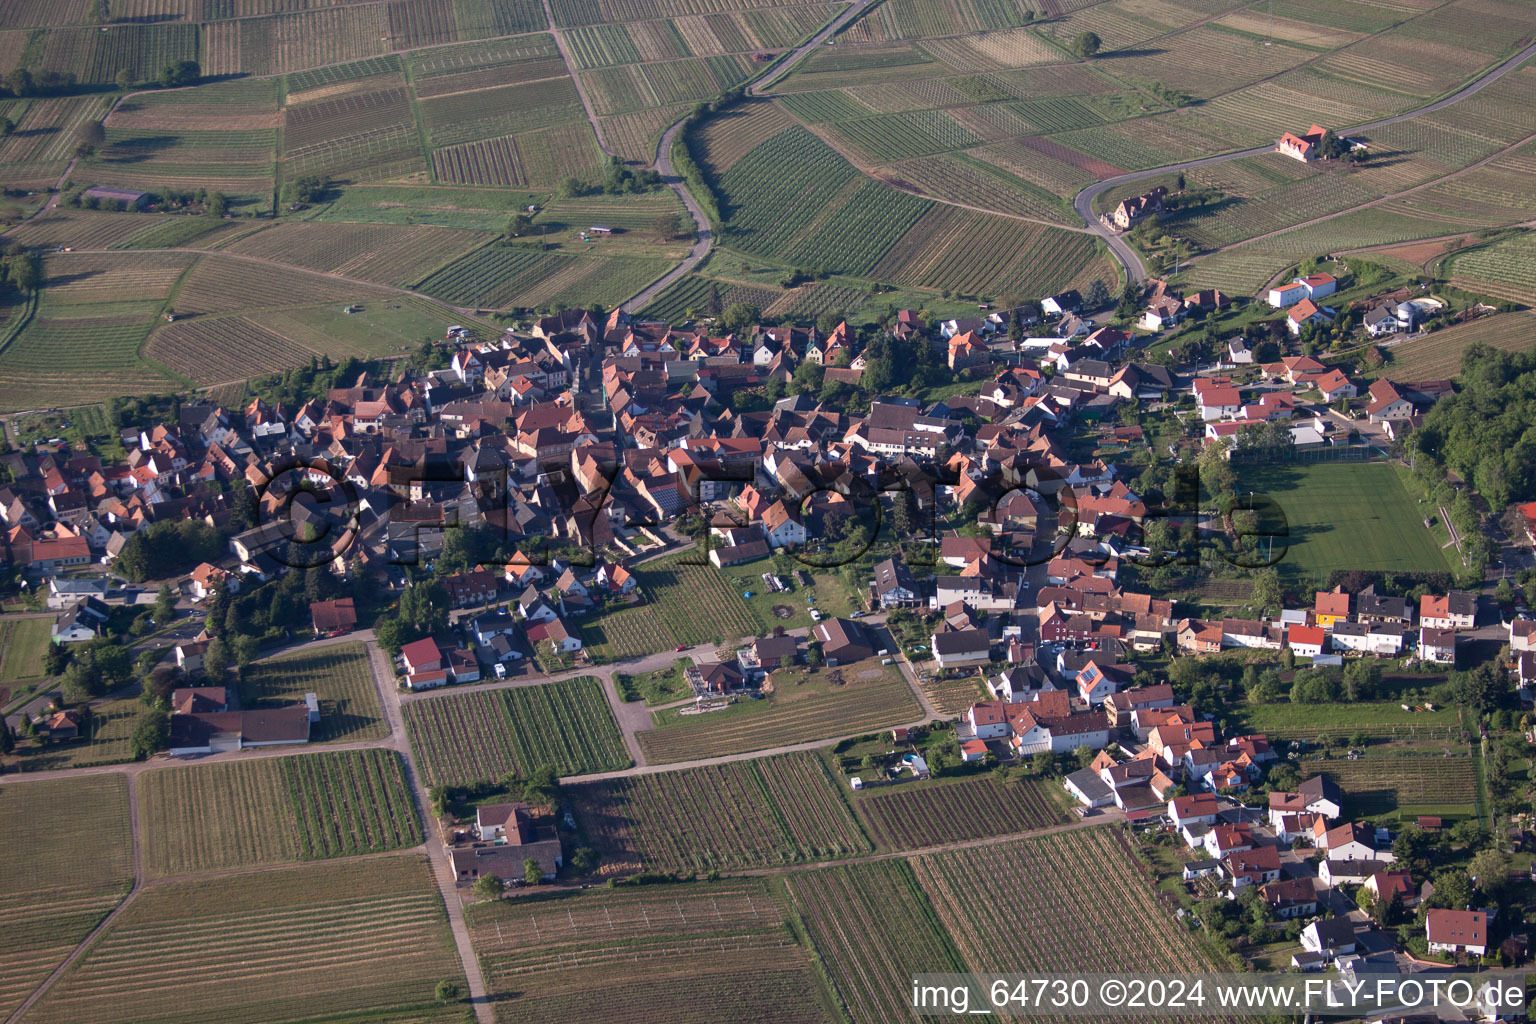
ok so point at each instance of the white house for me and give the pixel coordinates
(1219, 403)
(988, 719)
(782, 527)
(1350, 842)
(961, 647)
(1330, 937)
(1285, 294)
(1195, 809)
(1437, 645)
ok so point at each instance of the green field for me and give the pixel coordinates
(1344, 515)
(105, 740)
(22, 642)
(660, 687)
(340, 676)
(61, 873)
(801, 707)
(481, 736)
(1341, 721)
(346, 937)
(304, 807)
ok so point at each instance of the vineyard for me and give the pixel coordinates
(702, 951)
(685, 604)
(488, 113)
(875, 930)
(743, 814)
(798, 710)
(381, 253)
(1438, 355)
(61, 872)
(223, 348)
(340, 676)
(1384, 719)
(305, 807)
(617, 90)
(221, 284)
(499, 276)
(346, 937)
(1077, 892)
(1505, 269)
(83, 229)
(481, 736)
(1404, 784)
(910, 816)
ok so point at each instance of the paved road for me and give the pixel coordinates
(1131, 262)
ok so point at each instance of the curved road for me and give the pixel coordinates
(705, 240)
(1127, 256)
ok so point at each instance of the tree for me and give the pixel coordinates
(489, 887)
(216, 205)
(668, 225)
(519, 224)
(101, 11)
(125, 80)
(165, 605)
(1266, 596)
(1041, 762)
(533, 874)
(7, 741)
(1453, 889)
(216, 659)
(1085, 45)
(542, 787)
(739, 316)
(151, 734)
(1083, 755)
(179, 73)
(450, 991)
(1490, 870)
(1097, 296)
(89, 137)
(584, 860)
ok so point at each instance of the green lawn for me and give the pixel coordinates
(1344, 515)
(22, 642)
(660, 687)
(1339, 721)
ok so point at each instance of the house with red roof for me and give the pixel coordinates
(1301, 147)
(1456, 931)
(1304, 312)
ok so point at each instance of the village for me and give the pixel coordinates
(482, 521)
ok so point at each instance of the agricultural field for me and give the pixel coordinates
(875, 929)
(911, 815)
(62, 872)
(1404, 786)
(684, 604)
(85, 308)
(743, 814)
(801, 707)
(1344, 514)
(501, 276)
(698, 294)
(344, 937)
(275, 810)
(477, 209)
(1504, 269)
(1071, 917)
(1438, 355)
(217, 349)
(481, 736)
(356, 137)
(62, 227)
(36, 153)
(560, 960)
(22, 643)
(340, 676)
(380, 253)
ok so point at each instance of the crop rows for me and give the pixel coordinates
(993, 51)
(634, 136)
(743, 814)
(728, 137)
(962, 179)
(494, 276)
(22, 642)
(1410, 779)
(385, 253)
(46, 132)
(340, 938)
(96, 55)
(861, 706)
(304, 807)
(80, 229)
(616, 90)
(809, 301)
(914, 815)
(1439, 355)
(488, 113)
(697, 603)
(219, 284)
(571, 13)
(331, 74)
(327, 121)
(779, 188)
(560, 962)
(1278, 208)
(450, 61)
(892, 136)
(1507, 266)
(212, 351)
(855, 910)
(1070, 916)
(481, 736)
(43, 925)
(488, 162)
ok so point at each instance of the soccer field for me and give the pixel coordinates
(1346, 515)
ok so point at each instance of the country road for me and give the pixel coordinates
(1131, 262)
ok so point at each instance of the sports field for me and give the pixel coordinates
(1345, 515)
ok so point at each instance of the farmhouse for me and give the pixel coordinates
(333, 618)
(129, 199)
(222, 731)
(1128, 212)
(1301, 147)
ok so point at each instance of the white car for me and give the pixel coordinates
(815, 615)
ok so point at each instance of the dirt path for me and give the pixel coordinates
(389, 695)
(1128, 257)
